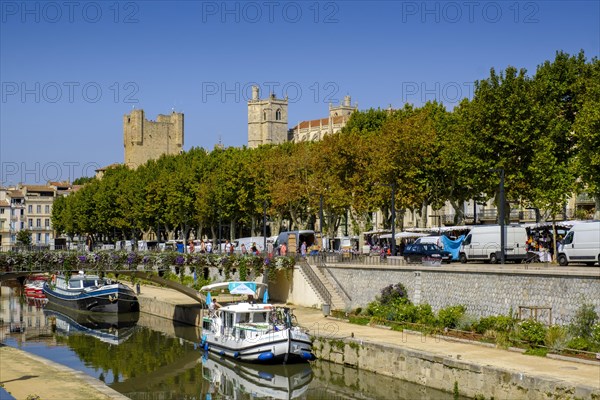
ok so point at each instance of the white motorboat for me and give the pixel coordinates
(253, 332)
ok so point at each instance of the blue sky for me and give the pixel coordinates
(70, 70)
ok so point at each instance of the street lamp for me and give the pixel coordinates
(393, 185)
(265, 225)
(501, 217)
(321, 214)
(219, 235)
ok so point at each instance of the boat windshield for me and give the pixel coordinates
(89, 283)
(260, 317)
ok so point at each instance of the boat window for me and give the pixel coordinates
(228, 319)
(89, 283)
(243, 318)
(259, 317)
(74, 284)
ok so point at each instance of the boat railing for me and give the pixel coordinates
(314, 280)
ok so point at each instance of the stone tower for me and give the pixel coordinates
(345, 109)
(267, 120)
(147, 140)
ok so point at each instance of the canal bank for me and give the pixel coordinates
(431, 361)
(25, 375)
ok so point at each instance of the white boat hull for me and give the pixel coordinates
(283, 346)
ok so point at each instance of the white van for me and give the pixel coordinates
(248, 241)
(581, 244)
(483, 244)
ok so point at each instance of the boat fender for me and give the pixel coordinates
(236, 354)
(266, 356)
(265, 375)
(206, 346)
(221, 353)
(203, 340)
(308, 356)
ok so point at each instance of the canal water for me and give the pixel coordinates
(147, 357)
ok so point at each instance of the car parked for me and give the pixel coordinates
(416, 252)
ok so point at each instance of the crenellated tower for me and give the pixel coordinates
(148, 140)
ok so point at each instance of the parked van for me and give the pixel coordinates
(483, 244)
(294, 239)
(581, 244)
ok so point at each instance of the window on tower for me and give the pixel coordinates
(264, 115)
(278, 114)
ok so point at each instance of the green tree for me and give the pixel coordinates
(502, 127)
(24, 237)
(587, 135)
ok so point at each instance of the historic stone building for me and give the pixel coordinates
(316, 129)
(147, 140)
(267, 120)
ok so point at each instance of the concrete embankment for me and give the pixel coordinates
(432, 361)
(25, 375)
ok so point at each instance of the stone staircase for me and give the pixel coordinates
(322, 286)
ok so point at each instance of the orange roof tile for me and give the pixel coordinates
(317, 122)
(39, 188)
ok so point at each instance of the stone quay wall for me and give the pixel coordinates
(440, 372)
(483, 290)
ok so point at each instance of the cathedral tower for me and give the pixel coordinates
(267, 120)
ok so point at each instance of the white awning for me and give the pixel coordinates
(403, 235)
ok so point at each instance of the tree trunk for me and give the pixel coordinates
(459, 212)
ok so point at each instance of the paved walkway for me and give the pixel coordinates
(568, 371)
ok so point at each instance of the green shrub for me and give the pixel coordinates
(584, 320)
(596, 333)
(579, 343)
(393, 293)
(359, 320)
(533, 332)
(502, 323)
(448, 317)
(424, 315)
(539, 352)
(557, 338)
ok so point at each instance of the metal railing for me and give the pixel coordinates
(339, 285)
(314, 280)
(348, 258)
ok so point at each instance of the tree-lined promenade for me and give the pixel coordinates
(542, 130)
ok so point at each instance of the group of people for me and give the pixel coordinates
(205, 247)
(228, 248)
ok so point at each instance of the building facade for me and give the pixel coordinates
(267, 120)
(316, 129)
(147, 140)
(30, 207)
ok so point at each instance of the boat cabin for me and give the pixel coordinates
(79, 282)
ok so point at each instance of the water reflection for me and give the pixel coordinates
(230, 378)
(110, 328)
(153, 358)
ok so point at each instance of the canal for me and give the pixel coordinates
(147, 357)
